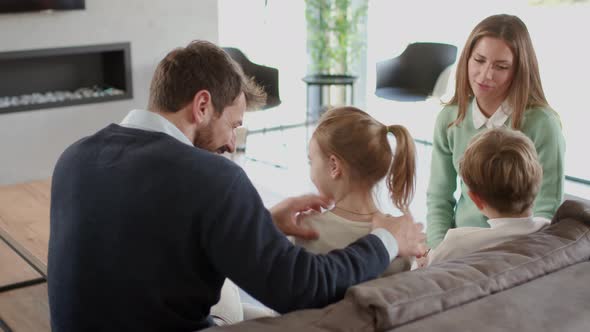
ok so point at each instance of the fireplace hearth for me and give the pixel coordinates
(59, 77)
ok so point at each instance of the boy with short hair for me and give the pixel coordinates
(502, 171)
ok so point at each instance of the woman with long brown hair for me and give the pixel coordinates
(498, 84)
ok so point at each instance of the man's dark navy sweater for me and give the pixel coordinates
(144, 229)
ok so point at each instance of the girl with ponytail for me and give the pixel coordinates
(349, 154)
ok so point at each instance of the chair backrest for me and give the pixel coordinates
(266, 77)
(413, 74)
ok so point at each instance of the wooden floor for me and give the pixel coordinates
(25, 309)
(24, 238)
(15, 270)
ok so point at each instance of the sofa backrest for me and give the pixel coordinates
(559, 301)
(410, 296)
(391, 302)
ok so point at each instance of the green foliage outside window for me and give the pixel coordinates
(334, 40)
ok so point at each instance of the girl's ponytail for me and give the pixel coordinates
(401, 178)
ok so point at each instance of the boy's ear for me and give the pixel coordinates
(201, 107)
(335, 167)
(477, 200)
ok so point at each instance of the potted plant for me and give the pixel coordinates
(334, 42)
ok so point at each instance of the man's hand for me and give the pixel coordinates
(285, 214)
(409, 235)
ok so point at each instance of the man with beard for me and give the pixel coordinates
(146, 222)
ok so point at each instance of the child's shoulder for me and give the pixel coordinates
(314, 217)
(329, 219)
(460, 232)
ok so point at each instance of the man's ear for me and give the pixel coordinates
(201, 107)
(477, 200)
(335, 165)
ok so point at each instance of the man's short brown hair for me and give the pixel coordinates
(201, 65)
(501, 166)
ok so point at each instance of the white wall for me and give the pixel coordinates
(31, 141)
(273, 35)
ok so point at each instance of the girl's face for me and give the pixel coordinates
(319, 168)
(490, 69)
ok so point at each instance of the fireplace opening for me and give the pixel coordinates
(58, 77)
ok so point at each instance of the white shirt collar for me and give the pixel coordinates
(499, 222)
(150, 121)
(498, 119)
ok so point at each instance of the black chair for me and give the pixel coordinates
(266, 77)
(412, 75)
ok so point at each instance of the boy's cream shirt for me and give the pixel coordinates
(465, 240)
